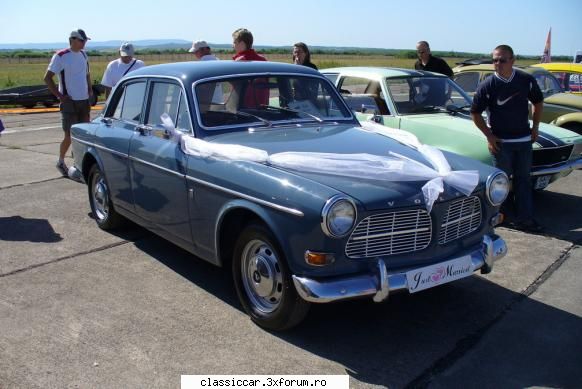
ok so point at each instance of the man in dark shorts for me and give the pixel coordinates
(74, 90)
(505, 96)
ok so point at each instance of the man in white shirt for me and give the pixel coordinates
(202, 51)
(118, 68)
(72, 67)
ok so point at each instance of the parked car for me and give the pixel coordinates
(261, 167)
(436, 110)
(569, 75)
(31, 95)
(560, 108)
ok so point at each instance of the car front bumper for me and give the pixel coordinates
(565, 168)
(381, 283)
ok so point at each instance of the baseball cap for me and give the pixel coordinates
(126, 49)
(79, 34)
(197, 45)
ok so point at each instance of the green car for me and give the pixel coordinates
(560, 108)
(436, 110)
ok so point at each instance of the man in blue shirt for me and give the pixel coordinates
(505, 96)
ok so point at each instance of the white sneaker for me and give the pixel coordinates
(62, 168)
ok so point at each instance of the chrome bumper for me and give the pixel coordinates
(568, 166)
(381, 284)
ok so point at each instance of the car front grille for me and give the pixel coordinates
(390, 233)
(463, 216)
(551, 156)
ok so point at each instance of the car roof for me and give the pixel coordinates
(489, 67)
(193, 71)
(380, 72)
(561, 66)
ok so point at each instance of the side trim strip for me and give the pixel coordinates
(292, 211)
(278, 207)
(125, 155)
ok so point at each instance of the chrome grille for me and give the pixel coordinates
(390, 233)
(462, 218)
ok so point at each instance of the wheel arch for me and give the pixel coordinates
(232, 219)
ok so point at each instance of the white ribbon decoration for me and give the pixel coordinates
(393, 167)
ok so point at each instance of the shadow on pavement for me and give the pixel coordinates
(410, 338)
(17, 228)
(551, 207)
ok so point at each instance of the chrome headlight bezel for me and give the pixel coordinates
(328, 216)
(495, 182)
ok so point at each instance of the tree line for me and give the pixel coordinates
(405, 54)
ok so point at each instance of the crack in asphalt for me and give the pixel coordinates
(31, 183)
(464, 345)
(95, 250)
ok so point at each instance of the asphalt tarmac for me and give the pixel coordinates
(83, 308)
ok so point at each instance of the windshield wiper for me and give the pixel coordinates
(316, 118)
(455, 108)
(427, 108)
(250, 115)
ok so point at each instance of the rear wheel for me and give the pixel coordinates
(48, 104)
(263, 281)
(29, 105)
(100, 199)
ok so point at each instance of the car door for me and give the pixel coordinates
(158, 163)
(120, 119)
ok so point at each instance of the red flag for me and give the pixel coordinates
(547, 56)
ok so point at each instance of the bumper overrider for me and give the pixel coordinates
(381, 283)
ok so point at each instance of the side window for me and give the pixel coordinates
(183, 122)
(130, 102)
(332, 77)
(468, 81)
(165, 98)
(353, 85)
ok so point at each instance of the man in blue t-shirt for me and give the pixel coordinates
(505, 96)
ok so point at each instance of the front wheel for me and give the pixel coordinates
(100, 199)
(263, 281)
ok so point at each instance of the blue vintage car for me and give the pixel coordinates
(263, 168)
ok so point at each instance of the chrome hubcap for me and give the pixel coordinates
(100, 198)
(261, 276)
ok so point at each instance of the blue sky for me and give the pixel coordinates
(472, 26)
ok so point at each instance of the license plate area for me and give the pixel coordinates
(439, 274)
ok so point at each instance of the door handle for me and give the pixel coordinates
(143, 130)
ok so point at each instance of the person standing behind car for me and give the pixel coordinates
(118, 68)
(505, 96)
(202, 51)
(427, 61)
(242, 43)
(302, 56)
(74, 89)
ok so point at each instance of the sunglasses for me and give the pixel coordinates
(500, 60)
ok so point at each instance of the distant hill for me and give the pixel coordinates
(99, 45)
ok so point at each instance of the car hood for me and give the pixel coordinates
(459, 134)
(344, 139)
(565, 99)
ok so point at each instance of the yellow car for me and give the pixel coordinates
(569, 75)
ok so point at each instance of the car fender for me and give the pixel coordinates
(259, 212)
(574, 117)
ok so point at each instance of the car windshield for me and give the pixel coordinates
(548, 83)
(267, 101)
(415, 95)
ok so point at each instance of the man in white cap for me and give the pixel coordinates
(120, 67)
(202, 51)
(74, 90)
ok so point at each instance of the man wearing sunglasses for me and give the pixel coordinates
(72, 67)
(505, 97)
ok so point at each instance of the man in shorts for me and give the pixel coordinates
(74, 89)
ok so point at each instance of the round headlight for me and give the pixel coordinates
(497, 188)
(338, 216)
